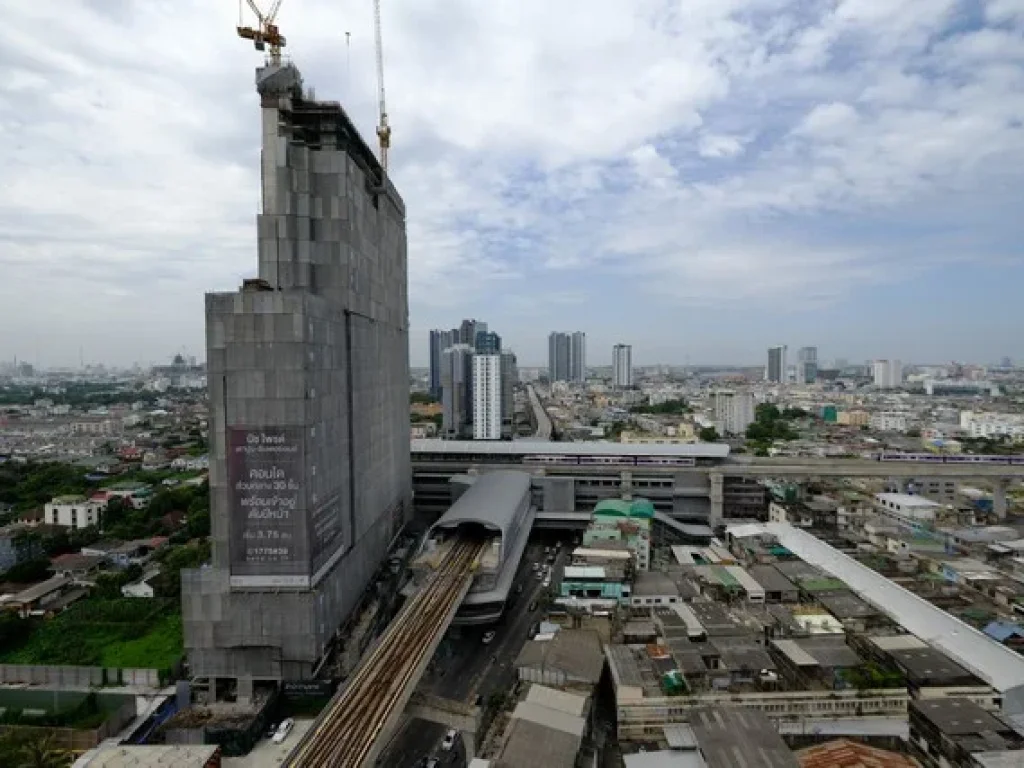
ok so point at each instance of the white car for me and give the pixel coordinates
(488, 636)
(283, 730)
(449, 740)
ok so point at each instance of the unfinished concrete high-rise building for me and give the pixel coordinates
(309, 402)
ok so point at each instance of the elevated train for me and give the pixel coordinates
(617, 461)
(935, 458)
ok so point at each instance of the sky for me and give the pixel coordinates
(701, 179)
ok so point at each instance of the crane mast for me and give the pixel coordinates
(266, 33)
(383, 129)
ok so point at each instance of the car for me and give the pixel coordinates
(449, 740)
(536, 567)
(488, 636)
(533, 606)
(519, 589)
(540, 575)
(283, 730)
(432, 763)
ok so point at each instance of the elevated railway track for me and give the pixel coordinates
(354, 725)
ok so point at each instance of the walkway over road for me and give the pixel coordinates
(356, 723)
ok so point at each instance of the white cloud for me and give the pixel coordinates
(731, 149)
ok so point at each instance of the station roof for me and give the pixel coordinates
(491, 502)
(548, 448)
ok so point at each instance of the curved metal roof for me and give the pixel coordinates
(491, 501)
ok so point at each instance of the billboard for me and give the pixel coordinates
(266, 490)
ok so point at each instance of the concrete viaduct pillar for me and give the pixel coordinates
(626, 484)
(999, 497)
(716, 495)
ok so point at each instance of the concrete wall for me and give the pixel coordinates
(77, 677)
(324, 354)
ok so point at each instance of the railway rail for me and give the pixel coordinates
(344, 734)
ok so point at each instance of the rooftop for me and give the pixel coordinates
(844, 753)
(577, 652)
(544, 448)
(150, 756)
(736, 737)
(491, 501)
(906, 500)
(998, 666)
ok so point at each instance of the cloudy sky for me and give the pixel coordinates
(700, 178)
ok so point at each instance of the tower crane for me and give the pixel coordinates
(383, 129)
(266, 33)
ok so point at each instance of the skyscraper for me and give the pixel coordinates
(457, 391)
(734, 411)
(888, 374)
(440, 340)
(486, 397)
(509, 376)
(776, 365)
(487, 343)
(468, 330)
(558, 356)
(807, 367)
(622, 365)
(578, 357)
(308, 377)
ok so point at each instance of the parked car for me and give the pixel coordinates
(283, 730)
(449, 740)
(533, 606)
(433, 763)
(488, 636)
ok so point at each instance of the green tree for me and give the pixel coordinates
(708, 434)
(27, 749)
(29, 571)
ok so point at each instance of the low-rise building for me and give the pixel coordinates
(906, 509)
(73, 512)
(948, 731)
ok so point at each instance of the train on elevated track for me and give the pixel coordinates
(951, 458)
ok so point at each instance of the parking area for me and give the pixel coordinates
(267, 754)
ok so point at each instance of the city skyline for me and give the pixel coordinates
(757, 185)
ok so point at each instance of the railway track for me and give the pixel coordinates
(344, 734)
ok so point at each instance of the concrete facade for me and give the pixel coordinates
(309, 381)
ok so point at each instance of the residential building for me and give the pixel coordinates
(622, 365)
(776, 371)
(578, 357)
(854, 418)
(558, 356)
(457, 391)
(509, 377)
(469, 329)
(978, 424)
(807, 365)
(440, 340)
(888, 374)
(889, 421)
(486, 397)
(73, 511)
(734, 411)
(487, 343)
(904, 508)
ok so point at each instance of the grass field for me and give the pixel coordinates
(124, 633)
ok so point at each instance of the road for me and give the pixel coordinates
(465, 668)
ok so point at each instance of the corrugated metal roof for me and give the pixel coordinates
(491, 501)
(555, 719)
(544, 448)
(563, 701)
(997, 665)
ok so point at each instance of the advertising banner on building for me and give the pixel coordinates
(269, 540)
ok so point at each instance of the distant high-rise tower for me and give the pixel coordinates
(468, 330)
(578, 357)
(440, 340)
(888, 374)
(567, 356)
(776, 365)
(734, 411)
(558, 356)
(487, 343)
(622, 365)
(509, 376)
(807, 367)
(457, 391)
(486, 397)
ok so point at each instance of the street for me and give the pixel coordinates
(466, 669)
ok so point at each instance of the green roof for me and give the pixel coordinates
(620, 508)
